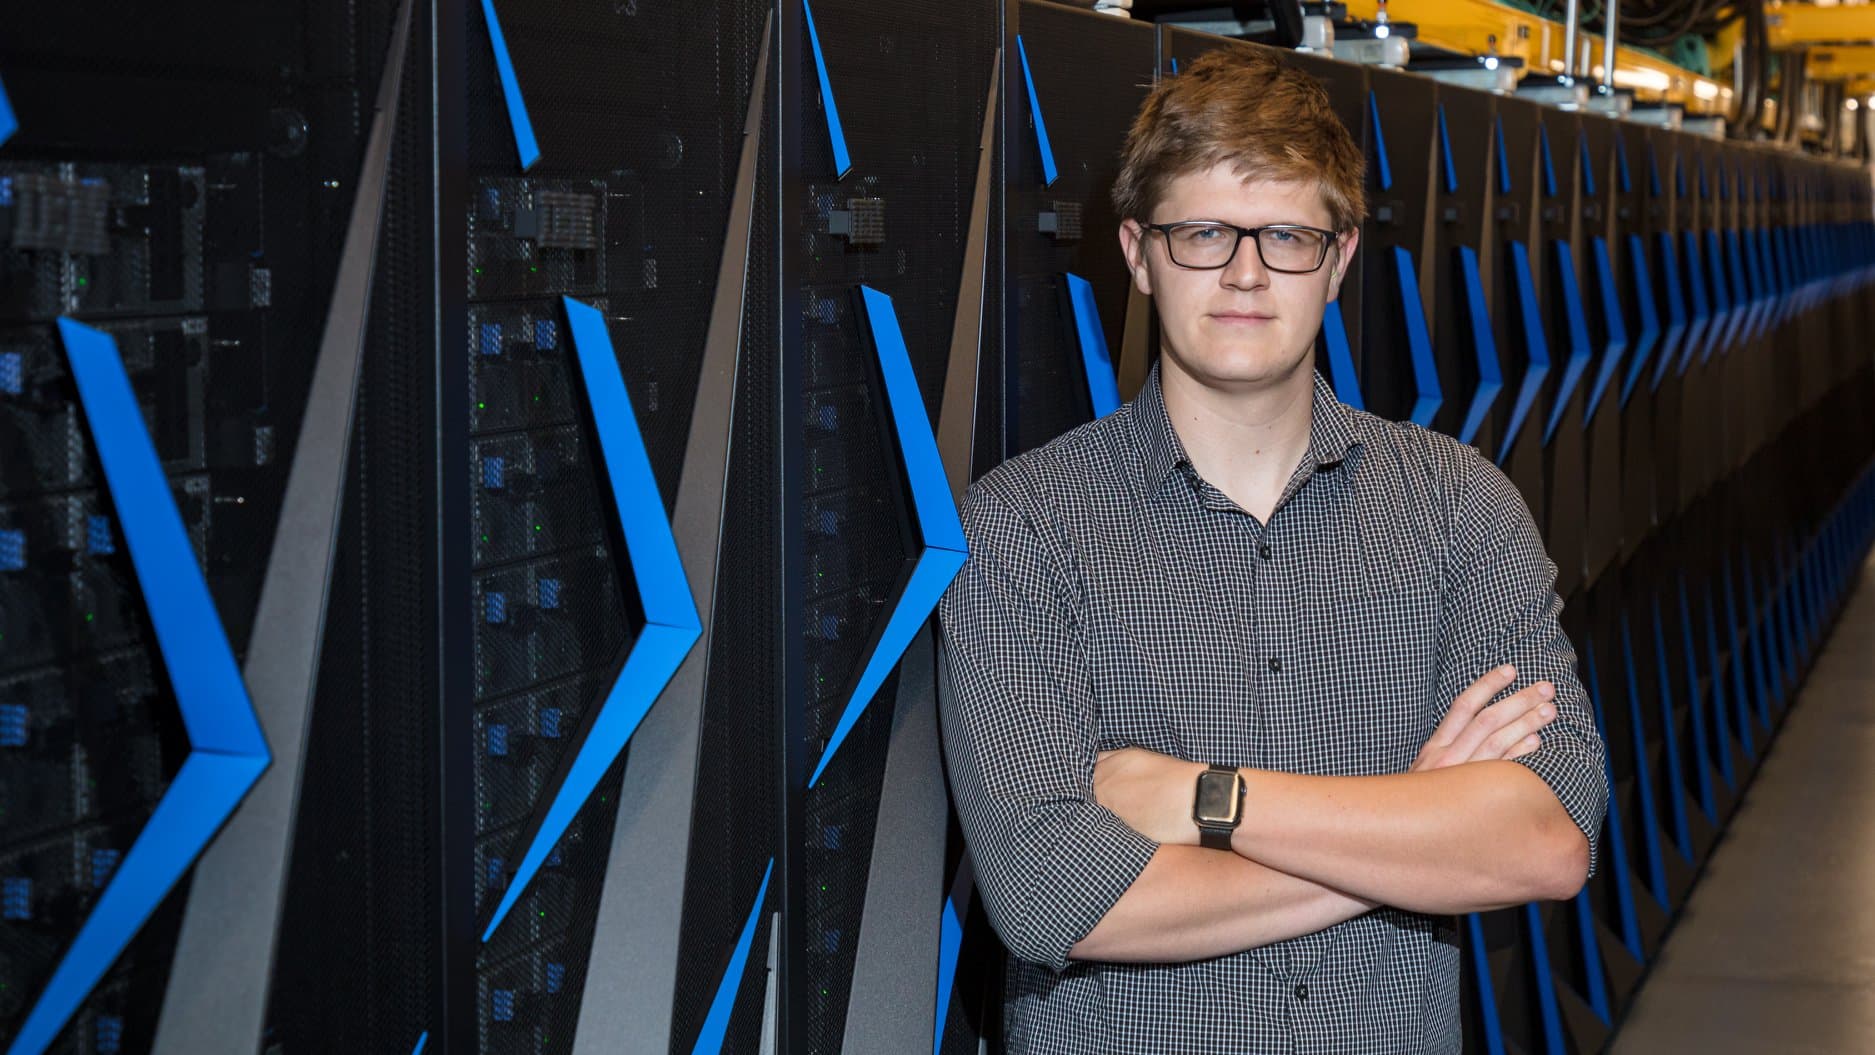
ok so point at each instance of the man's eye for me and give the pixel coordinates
(1284, 237)
(1204, 234)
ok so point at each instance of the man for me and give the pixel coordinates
(1238, 600)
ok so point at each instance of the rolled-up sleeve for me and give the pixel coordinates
(1504, 609)
(1020, 733)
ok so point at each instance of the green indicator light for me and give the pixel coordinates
(88, 617)
(481, 406)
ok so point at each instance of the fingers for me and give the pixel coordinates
(1470, 702)
(1496, 717)
(1514, 738)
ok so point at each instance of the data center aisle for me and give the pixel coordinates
(1775, 950)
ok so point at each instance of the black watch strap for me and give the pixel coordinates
(1213, 834)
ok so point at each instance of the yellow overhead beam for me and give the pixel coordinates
(1477, 27)
(1793, 25)
(1841, 62)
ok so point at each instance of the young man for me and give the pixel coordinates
(1238, 600)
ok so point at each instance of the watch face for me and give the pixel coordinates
(1217, 798)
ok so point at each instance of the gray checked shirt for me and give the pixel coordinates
(1114, 598)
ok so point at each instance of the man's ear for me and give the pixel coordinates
(1340, 259)
(1133, 246)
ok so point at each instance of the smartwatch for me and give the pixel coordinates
(1218, 806)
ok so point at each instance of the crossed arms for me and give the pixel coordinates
(1094, 857)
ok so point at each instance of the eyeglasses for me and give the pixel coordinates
(1205, 245)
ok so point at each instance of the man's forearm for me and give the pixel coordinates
(1463, 839)
(1194, 904)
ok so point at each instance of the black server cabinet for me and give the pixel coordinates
(1640, 219)
(612, 732)
(1400, 376)
(1517, 312)
(1465, 265)
(177, 192)
(1072, 314)
(1606, 178)
(1565, 172)
(887, 283)
(1341, 349)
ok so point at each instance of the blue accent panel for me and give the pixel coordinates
(1049, 172)
(524, 144)
(716, 1023)
(1174, 65)
(422, 1042)
(1591, 956)
(1717, 330)
(1744, 287)
(1679, 175)
(9, 124)
(1548, 1013)
(1621, 166)
(671, 624)
(1487, 991)
(1616, 841)
(1428, 396)
(1535, 346)
(842, 161)
(1483, 343)
(1754, 643)
(1341, 357)
(1103, 387)
(1721, 718)
(1580, 353)
(1588, 168)
(15, 724)
(950, 944)
(1643, 284)
(1701, 311)
(1643, 775)
(1653, 172)
(12, 371)
(1613, 324)
(1445, 153)
(1503, 161)
(12, 550)
(1740, 688)
(1704, 740)
(227, 752)
(1676, 307)
(1381, 165)
(1549, 166)
(941, 534)
(1670, 741)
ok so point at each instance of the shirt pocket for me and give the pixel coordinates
(1370, 710)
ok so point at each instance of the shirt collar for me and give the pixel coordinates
(1333, 432)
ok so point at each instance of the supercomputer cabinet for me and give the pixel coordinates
(1516, 305)
(1071, 315)
(1465, 262)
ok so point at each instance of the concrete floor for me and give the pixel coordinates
(1775, 950)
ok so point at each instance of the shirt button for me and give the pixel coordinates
(1264, 551)
(1302, 992)
(1276, 665)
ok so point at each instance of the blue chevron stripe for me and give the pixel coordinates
(723, 1004)
(950, 946)
(842, 161)
(1549, 165)
(1103, 387)
(1427, 394)
(1721, 723)
(1704, 740)
(1049, 172)
(1580, 353)
(1650, 316)
(1621, 166)
(227, 752)
(671, 626)
(1591, 956)
(1483, 344)
(1487, 991)
(1341, 370)
(1382, 166)
(1676, 309)
(1445, 153)
(1503, 161)
(1700, 313)
(1741, 694)
(1617, 838)
(1718, 328)
(941, 534)
(1670, 739)
(1548, 1013)
(1536, 347)
(1612, 323)
(1643, 774)
(518, 121)
(422, 1042)
(9, 124)
(1588, 168)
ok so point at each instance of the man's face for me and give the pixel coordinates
(1242, 325)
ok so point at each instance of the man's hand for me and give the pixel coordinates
(1151, 792)
(1474, 732)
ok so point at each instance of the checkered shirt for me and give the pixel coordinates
(1114, 598)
